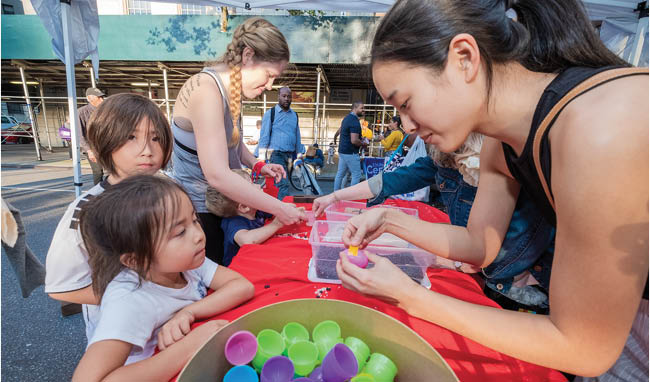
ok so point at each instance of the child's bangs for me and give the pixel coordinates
(161, 129)
(168, 209)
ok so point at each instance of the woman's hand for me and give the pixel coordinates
(384, 281)
(290, 214)
(175, 329)
(362, 229)
(321, 203)
(275, 171)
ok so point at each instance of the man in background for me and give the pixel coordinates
(350, 133)
(95, 97)
(281, 134)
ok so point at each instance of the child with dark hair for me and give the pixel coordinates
(240, 224)
(129, 135)
(147, 254)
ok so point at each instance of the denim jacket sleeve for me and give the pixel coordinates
(405, 179)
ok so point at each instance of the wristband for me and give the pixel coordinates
(257, 169)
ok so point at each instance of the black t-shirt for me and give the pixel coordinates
(350, 125)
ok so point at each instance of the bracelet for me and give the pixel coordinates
(257, 168)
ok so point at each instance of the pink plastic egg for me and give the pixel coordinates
(360, 260)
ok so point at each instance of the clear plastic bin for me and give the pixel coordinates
(325, 240)
(345, 209)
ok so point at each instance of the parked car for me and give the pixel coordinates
(8, 122)
(15, 132)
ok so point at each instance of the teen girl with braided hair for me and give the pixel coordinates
(206, 126)
(515, 72)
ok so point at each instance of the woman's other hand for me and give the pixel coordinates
(274, 171)
(362, 229)
(384, 281)
(321, 203)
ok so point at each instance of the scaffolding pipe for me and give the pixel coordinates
(92, 76)
(72, 96)
(32, 117)
(150, 94)
(169, 116)
(47, 128)
(322, 140)
(264, 105)
(316, 120)
(383, 118)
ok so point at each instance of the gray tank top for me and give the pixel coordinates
(186, 168)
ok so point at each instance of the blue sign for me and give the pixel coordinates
(372, 166)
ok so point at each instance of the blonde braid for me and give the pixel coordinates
(235, 102)
(233, 59)
(269, 45)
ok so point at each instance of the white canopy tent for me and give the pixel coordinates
(62, 17)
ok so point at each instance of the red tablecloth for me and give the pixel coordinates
(278, 269)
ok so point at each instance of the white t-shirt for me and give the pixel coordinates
(66, 264)
(135, 314)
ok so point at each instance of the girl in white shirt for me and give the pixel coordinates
(147, 255)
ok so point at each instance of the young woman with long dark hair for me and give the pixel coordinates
(499, 68)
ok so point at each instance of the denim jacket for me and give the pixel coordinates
(529, 241)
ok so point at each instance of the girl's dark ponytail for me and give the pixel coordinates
(547, 35)
(561, 36)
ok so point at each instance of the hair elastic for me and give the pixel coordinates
(511, 14)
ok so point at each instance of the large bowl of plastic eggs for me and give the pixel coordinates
(311, 340)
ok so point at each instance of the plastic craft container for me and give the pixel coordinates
(325, 241)
(345, 209)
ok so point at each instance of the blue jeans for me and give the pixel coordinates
(348, 163)
(528, 246)
(529, 241)
(282, 158)
(314, 162)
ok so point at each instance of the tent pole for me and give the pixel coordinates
(47, 129)
(639, 41)
(72, 95)
(316, 120)
(32, 117)
(169, 116)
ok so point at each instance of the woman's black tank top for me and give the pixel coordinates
(522, 168)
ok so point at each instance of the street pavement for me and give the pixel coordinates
(37, 342)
